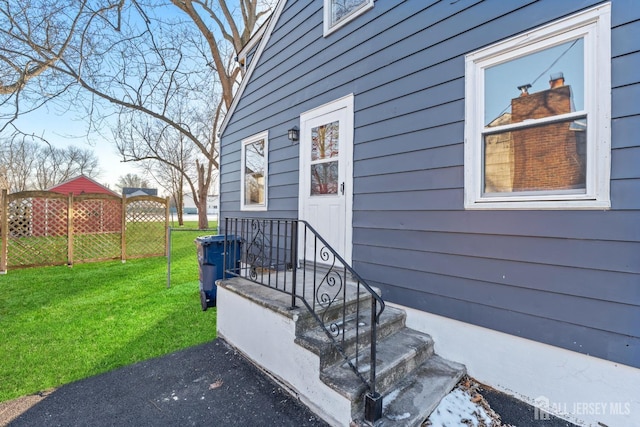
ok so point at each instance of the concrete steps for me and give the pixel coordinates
(411, 378)
(289, 344)
(356, 329)
(415, 397)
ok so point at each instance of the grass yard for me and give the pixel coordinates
(62, 324)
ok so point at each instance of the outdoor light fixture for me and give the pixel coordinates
(294, 134)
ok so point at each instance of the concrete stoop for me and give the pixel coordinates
(411, 378)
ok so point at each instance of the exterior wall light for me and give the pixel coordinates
(294, 134)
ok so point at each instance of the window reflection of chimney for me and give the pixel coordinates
(556, 80)
(524, 89)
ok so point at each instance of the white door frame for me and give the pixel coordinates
(345, 102)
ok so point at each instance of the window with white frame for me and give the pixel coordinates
(537, 118)
(254, 164)
(339, 12)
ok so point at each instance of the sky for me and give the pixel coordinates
(65, 129)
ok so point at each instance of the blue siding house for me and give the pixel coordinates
(476, 161)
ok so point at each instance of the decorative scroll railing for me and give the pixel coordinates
(291, 257)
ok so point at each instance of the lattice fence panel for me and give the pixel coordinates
(145, 226)
(37, 228)
(97, 224)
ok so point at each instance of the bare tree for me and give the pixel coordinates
(158, 73)
(33, 165)
(176, 171)
(56, 165)
(18, 156)
(4, 182)
(173, 183)
(131, 180)
(232, 33)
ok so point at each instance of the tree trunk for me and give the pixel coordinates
(201, 202)
(179, 208)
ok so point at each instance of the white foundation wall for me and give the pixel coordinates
(267, 338)
(582, 389)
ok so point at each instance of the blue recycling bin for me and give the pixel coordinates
(211, 259)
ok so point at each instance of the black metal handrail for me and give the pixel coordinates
(279, 252)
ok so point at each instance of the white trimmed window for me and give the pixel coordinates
(538, 118)
(253, 178)
(339, 12)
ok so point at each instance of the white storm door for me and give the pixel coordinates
(326, 171)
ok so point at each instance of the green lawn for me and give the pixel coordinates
(62, 324)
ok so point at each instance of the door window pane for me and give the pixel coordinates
(324, 178)
(324, 141)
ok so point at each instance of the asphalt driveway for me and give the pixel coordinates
(210, 384)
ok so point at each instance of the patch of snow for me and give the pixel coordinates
(398, 417)
(457, 408)
(389, 398)
(363, 369)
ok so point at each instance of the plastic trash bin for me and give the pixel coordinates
(211, 258)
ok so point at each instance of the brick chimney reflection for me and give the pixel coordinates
(556, 80)
(551, 156)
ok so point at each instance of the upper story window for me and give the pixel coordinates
(537, 125)
(339, 12)
(254, 163)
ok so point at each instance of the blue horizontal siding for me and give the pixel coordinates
(536, 274)
(624, 70)
(624, 12)
(436, 158)
(625, 100)
(586, 254)
(624, 38)
(625, 163)
(620, 225)
(438, 280)
(625, 194)
(625, 131)
(574, 337)
(405, 142)
(423, 179)
(436, 116)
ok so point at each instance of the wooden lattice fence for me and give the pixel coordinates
(44, 228)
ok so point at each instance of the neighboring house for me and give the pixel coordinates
(136, 194)
(493, 198)
(191, 208)
(212, 204)
(92, 215)
(133, 191)
(81, 185)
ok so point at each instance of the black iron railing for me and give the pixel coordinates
(291, 257)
